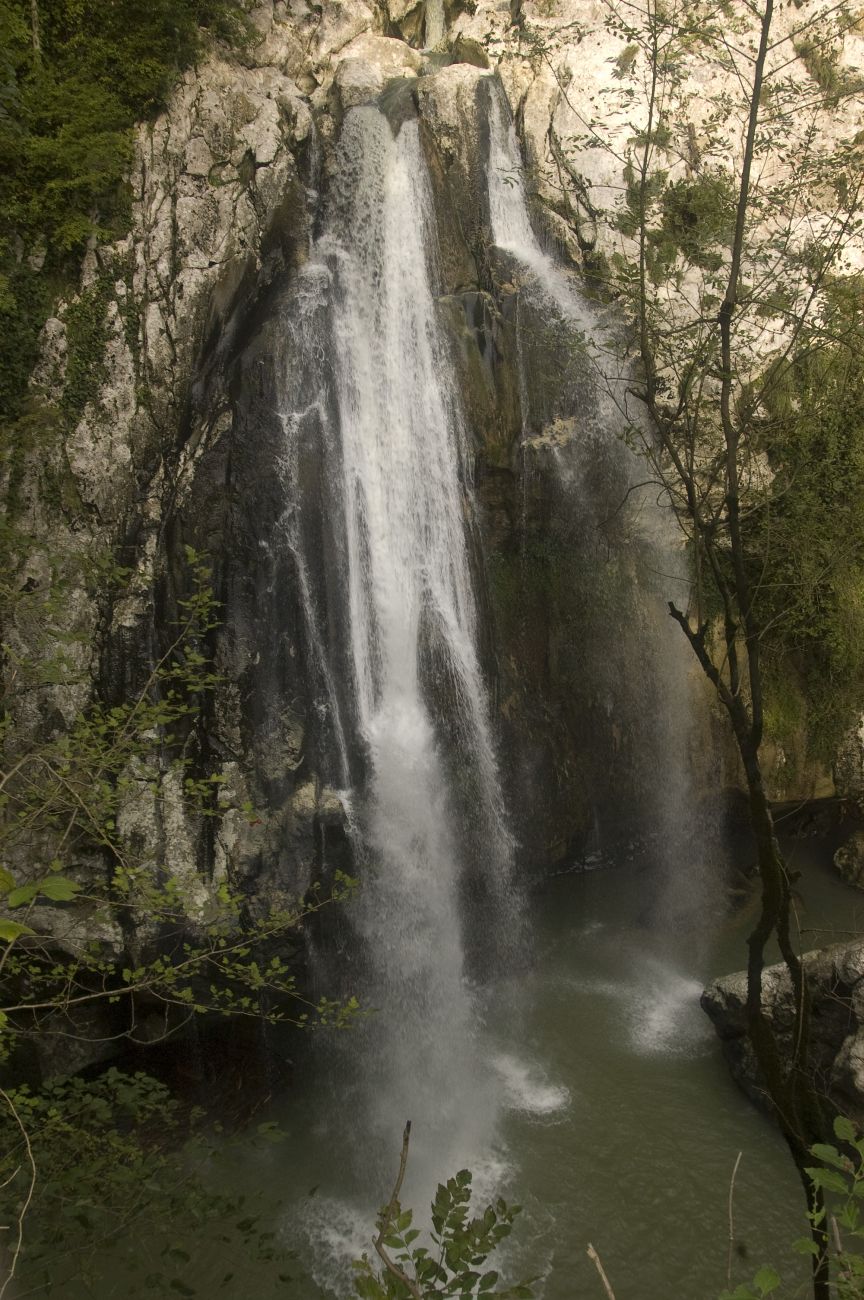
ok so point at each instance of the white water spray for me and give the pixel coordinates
(417, 694)
(512, 231)
(595, 432)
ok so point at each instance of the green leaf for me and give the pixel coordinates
(805, 1246)
(11, 930)
(23, 894)
(830, 1180)
(829, 1155)
(844, 1129)
(7, 881)
(58, 888)
(767, 1279)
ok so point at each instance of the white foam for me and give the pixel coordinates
(527, 1089)
(665, 1014)
(492, 1172)
(331, 1234)
(661, 1008)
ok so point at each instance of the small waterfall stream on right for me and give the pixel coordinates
(622, 525)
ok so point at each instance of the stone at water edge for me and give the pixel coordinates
(849, 859)
(836, 977)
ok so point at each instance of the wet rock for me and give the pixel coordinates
(836, 977)
(849, 859)
(453, 107)
(368, 63)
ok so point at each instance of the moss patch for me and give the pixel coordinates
(87, 333)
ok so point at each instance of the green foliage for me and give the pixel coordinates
(688, 220)
(764, 1283)
(840, 1175)
(697, 215)
(66, 131)
(641, 196)
(791, 363)
(70, 94)
(461, 1245)
(118, 1163)
(821, 58)
(805, 539)
(86, 337)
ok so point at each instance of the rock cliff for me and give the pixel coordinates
(167, 365)
(837, 1023)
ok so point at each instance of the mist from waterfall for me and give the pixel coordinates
(601, 429)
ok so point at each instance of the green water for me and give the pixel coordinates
(620, 1125)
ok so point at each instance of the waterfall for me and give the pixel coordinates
(429, 832)
(512, 231)
(658, 681)
(408, 581)
(513, 234)
(380, 525)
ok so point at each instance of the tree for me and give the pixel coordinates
(737, 282)
(74, 80)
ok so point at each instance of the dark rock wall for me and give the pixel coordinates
(571, 642)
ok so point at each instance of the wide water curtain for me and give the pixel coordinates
(420, 706)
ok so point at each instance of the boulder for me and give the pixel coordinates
(368, 63)
(849, 859)
(836, 976)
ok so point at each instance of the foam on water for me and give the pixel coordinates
(665, 1016)
(331, 1234)
(527, 1089)
(660, 1006)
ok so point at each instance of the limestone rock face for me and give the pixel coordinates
(849, 766)
(837, 1025)
(368, 63)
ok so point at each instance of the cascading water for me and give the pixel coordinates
(513, 234)
(409, 600)
(428, 828)
(380, 526)
(662, 661)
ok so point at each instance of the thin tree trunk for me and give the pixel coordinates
(35, 31)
